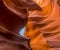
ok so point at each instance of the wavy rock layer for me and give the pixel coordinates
(10, 25)
(43, 27)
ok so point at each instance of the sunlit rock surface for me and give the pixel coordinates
(43, 27)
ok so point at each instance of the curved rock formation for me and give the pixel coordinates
(13, 17)
(44, 26)
(10, 25)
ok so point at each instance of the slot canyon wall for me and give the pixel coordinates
(11, 22)
(41, 20)
(43, 27)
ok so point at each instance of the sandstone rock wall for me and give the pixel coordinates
(43, 27)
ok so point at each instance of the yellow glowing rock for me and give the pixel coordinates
(45, 21)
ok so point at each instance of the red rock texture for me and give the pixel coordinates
(10, 25)
(43, 27)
